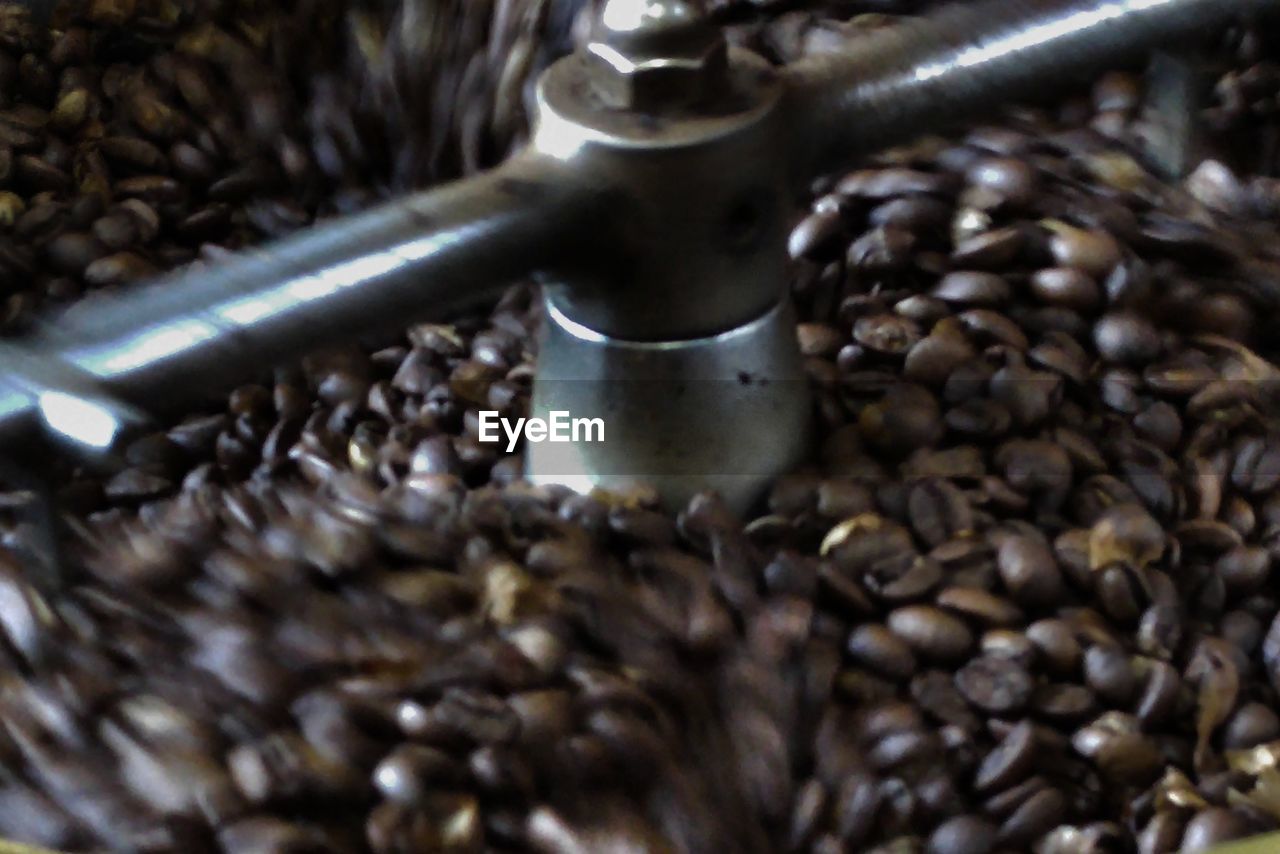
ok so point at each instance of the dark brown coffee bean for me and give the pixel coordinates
(1162, 833)
(924, 310)
(1066, 286)
(1126, 338)
(993, 327)
(1063, 703)
(936, 692)
(972, 288)
(71, 252)
(966, 834)
(412, 771)
(1093, 252)
(1118, 593)
(995, 685)
(886, 333)
(1160, 695)
(39, 176)
(1110, 674)
(121, 268)
(1056, 642)
(903, 748)
(807, 814)
(1252, 724)
(939, 511)
(818, 339)
(933, 358)
(991, 250)
(886, 183)
(817, 237)
(1003, 804)
(1010, 762)
(858, 801)
(1244, 569)
(878, 648)
(1160, 631)
(1212, 827)
(1005, 643)
(1037, 467)
(133, 155)
(980, 605)
(1029, 571)
(881, 250)
(1041, 813)
(1012, 181)
(840, 498)
(1126, 534)
(931, 632)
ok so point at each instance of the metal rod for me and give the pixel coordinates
(181, 338)
(893, 84)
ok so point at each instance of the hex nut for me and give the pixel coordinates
(671, 58)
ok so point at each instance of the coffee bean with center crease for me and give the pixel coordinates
(998, 686)
(1010, 762)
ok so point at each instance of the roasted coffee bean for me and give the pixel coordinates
(1160, 695)
(886, 333)
(1252, 724)
(936, 691)
(1012, 181)
(1057, 644)
(1093, 252)
(966, 834)
(1037, 816)
(979, 605)
(1063, 703)
(410, 773)
(995, 685)
(972, 288)
(878, 648)
(1126, 338)
(1029, 571)
(991, 250)
(1212, 827)
(1110, 674)
(1010, 762)
(1066, 286)
(931, 632)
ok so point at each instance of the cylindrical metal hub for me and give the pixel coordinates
(682, 342)
(725, 412)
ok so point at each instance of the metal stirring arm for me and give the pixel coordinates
(927, 71)
(166, 343)
(623, 127)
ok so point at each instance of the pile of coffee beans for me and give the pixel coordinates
(1020, 599)
(141, 135)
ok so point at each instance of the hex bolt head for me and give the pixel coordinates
(655, 55)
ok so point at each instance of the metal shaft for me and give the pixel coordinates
(186, 336)
(909, 78)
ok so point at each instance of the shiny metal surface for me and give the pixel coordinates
(1179, 86)
(185, 337)
(912, 77)
(73, 406)
(701, 203)
(655, 55)
(728, 412)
